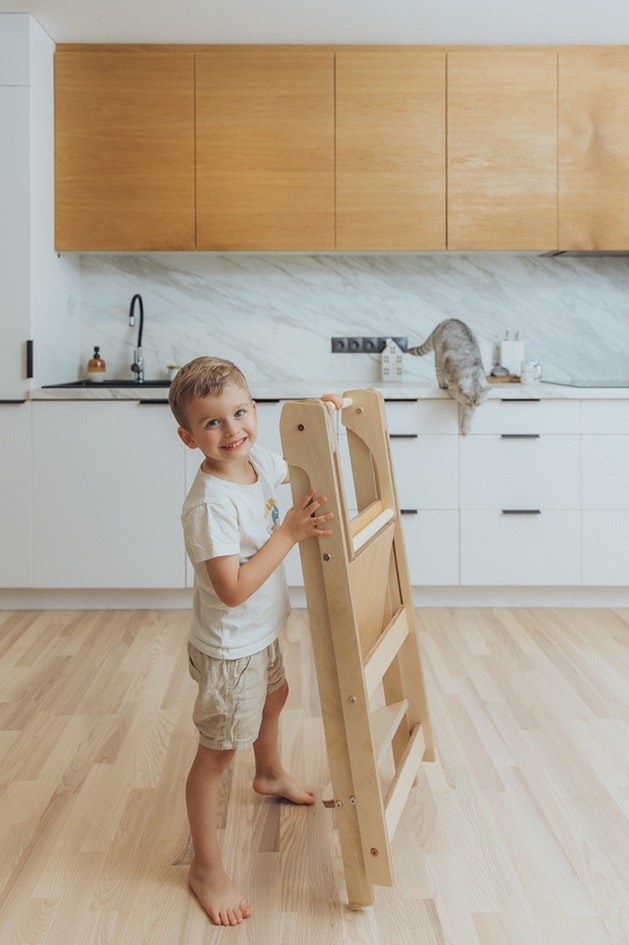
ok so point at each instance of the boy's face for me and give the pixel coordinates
(223, 426)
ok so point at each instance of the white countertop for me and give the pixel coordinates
(405, 390)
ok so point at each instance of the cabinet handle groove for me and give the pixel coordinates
(519, 436)
(521, 400)
(144, 403)
(521, 511)
(408, 511)
(403, 436)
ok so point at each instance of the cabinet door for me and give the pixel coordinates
(15, 495)
(390, 147)
(265, 148)
(593, 148)
(521, 549)
(605, 547)
(431, 538)
(107, 495)
(520, 472)
(15, 256)
(124, 149)
(502, 149)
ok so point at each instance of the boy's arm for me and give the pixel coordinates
(234, 583)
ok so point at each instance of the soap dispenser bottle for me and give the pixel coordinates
(96, 367)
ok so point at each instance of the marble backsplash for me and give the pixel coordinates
(274, 314)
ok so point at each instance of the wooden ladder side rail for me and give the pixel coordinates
(309, 443)
(370, 456)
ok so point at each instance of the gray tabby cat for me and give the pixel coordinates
(458, 366)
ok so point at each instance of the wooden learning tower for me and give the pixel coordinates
(373, 699)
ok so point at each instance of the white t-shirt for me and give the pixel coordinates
(229, 518)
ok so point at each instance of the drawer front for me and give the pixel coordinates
(535, 550)
(606, 548)
(422, 416)
(605, 416)
(527, 416)
(432, 547)
(426, 471)
(605, 461)
(520, 472)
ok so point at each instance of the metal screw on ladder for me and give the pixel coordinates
(301, 427)
(352, 699)
(327, 557)
(374, 852)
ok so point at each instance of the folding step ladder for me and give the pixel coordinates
(361, 615)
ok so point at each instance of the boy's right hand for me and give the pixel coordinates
(302, 521)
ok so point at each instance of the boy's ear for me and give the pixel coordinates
(186, 438)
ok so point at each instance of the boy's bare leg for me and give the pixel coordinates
(208, 880)
(270, 776)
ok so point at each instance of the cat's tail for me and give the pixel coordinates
(424, 348)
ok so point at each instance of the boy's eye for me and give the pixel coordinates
(212, 423)
(240, 413)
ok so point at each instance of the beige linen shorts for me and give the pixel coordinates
(232, 693)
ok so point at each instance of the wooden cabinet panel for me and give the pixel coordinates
(594, 148)
(390, 149)
(124, 150)
(265, 148)
(502, 149)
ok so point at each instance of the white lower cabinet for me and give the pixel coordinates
(431, 538)
(537, 495)
(526, 548)
(108, 486)
(605, 493)
(520, 495)
(15, 495)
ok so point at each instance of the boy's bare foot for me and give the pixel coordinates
(218, 896)
(283, 786)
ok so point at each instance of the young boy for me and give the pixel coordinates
(236, 544)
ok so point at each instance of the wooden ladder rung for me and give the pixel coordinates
(383, 653)
(404, 777)
(368, 523)
(385, 722)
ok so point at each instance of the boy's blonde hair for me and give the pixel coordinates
(202, 377)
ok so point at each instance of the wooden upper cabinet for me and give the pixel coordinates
(502, 149)
(265, 148)
(390, 149)
(124, 150)
(594, 148)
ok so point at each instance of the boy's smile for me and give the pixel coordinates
(224, 427)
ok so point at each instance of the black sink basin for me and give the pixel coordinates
(112, 383)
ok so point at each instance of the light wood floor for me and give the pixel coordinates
(517, 835)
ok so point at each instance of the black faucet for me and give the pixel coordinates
(138, 364)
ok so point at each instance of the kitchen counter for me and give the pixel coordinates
(285, 390)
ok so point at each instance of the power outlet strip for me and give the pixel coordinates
(365, 345)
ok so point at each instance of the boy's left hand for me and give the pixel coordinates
(335, 399)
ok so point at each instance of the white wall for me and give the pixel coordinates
(274, 314)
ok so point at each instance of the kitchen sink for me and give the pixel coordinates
(110, 383)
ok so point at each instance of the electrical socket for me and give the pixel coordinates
(365, 345)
